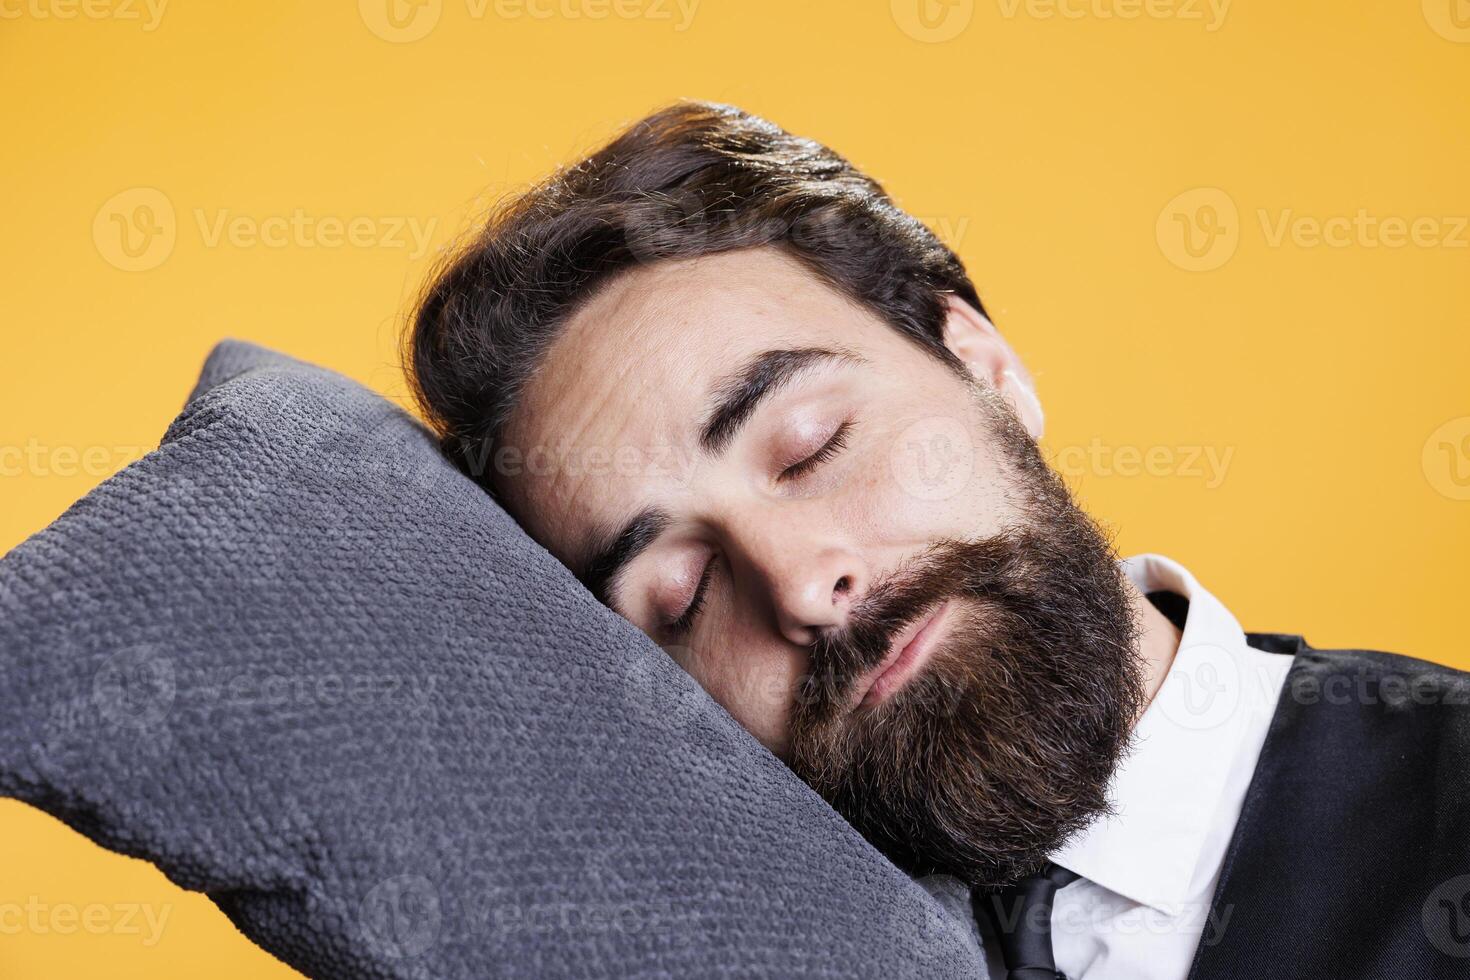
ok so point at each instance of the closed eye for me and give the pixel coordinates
(829, 449)
(685, 623)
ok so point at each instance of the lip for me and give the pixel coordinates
(909, 652)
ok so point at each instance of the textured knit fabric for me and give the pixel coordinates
(300, 663)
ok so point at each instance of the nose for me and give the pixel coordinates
(811, 583)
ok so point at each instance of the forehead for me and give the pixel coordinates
(611, 414)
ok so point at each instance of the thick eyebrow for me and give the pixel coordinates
(736, 397)
(600, 572)
(733, 400)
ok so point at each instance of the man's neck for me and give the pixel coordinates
(1158, 641)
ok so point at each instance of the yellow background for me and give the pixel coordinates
(1064, 156)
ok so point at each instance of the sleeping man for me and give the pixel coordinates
(762, 413)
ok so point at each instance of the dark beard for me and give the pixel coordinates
(1004, 744)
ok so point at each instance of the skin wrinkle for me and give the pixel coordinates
(609, 306)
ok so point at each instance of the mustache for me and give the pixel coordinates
(841, 655)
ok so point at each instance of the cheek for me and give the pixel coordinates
(754, 682)
(933, 473)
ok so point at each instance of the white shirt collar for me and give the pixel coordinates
(1178, 792)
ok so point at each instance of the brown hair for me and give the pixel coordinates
(695, 178)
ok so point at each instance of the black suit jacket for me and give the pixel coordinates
(1351, 857)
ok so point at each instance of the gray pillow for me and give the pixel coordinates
(301, 664)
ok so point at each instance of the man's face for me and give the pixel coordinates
(847, 542)
(788, 544)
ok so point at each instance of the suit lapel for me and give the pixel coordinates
(1350, 823)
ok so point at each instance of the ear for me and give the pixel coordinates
(973, 339)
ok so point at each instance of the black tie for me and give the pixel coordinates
(1021, 917)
